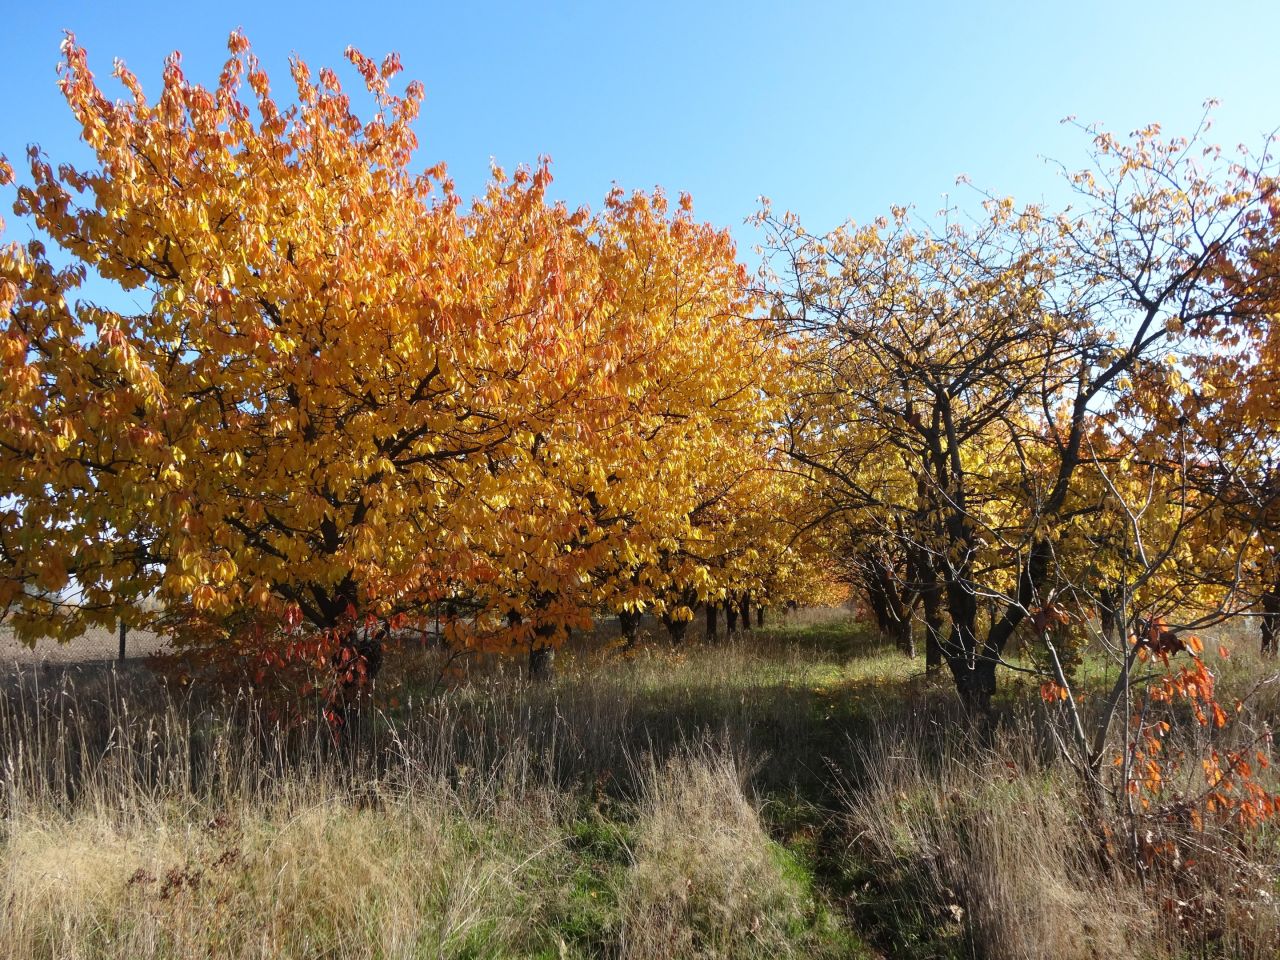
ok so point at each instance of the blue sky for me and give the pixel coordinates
(835, 110)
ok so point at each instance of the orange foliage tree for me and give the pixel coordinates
(346, 393)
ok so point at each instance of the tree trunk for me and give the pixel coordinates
(932, 627)
(711, 621)
(760, 617)
(1270, 620)
(1108, 613)
(542, 662)
(676, 629)
(628, 624)
(730, 618)
(975, 680)
(929, 590)
(744, 612)
(906, 640)
(973, 664)
(879, 604)
(932, 647)
(542, 647)
(974, 675)
(355, 664)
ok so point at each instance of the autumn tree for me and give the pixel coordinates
(346, 393)
(979, 360)
(1222, 397)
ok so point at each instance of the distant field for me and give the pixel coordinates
(102, 644)
(94, 644)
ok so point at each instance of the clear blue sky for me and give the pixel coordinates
(835, 110)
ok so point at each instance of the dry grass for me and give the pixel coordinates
(706, 879)
(411, 878)
(969, 843)
(603, 815)
(983, 851)
(197, 834)
(785, 796)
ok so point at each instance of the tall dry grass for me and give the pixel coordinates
(706, 879)
(786, 796)
(140, 821)
(970, 844)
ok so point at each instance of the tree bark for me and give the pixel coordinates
(932, 597)
(711, 621)
(879, 603)
(730, 617)
(975, 676)
(933, 647)
(906, 640)
(542, 662)
(355, 664)
(628, 624)
(1270, 620)
(676, 629)
(1108, 613)
(542, 646)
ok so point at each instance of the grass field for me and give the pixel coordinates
(805, 792)
(97, 645)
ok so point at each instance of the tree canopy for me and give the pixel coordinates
(346, 392)
(343, 392)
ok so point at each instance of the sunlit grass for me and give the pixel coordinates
(795, 792)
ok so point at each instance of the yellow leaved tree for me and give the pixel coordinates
(345, 393)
